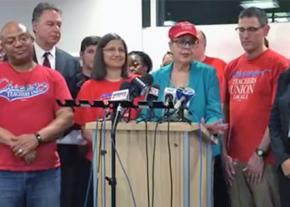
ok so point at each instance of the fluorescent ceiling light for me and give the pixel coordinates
(281, 17)
(262, 4)
(281, 20)
(169, 23)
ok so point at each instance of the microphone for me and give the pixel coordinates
(169, 96)
(124, 85)
(119, 100)
(153, 93)
(183, 95)
(122, 94)
(140, 84)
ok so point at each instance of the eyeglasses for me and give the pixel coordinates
(113, 50)
(21, 38)
(248, 29)
(184, 42)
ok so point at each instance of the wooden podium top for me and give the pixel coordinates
(174, 127)
(132, 125)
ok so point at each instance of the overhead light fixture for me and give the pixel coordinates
(262, 4)
(281, 17)
(169, 23)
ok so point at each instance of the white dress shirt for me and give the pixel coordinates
(39, 52)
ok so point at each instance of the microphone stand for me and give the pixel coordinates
(180, 115)
(113, 182)
(117, 109)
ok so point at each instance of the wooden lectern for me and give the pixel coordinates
(191, 161)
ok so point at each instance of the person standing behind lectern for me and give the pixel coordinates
(184, 72)
(251, 81)
(109, 72)
(87, 54)
(30, 122)
(204, 107)
(221, 197)
(46, 24)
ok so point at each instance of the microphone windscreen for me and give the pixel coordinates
(124, 85)
(169, 94)
(179, 93)
(153, 93)
(138, 84)
(147, 79)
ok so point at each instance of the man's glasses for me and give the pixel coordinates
(22, 38)
(248, 29)
(185, 42)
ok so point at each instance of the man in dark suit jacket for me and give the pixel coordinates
(280, 137)
(46, 24)
(67, 65)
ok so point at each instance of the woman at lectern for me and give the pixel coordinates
(183, 72)
(189, 84)
(109, 72)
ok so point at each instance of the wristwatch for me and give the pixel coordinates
(260, 152)
(38, 138)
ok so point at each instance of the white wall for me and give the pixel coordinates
(84, 17)
(98, 17)
(222, 41)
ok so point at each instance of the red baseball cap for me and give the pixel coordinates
(182, 28)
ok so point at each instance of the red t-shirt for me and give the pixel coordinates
(27, 104)
(95, 90)
(251, 85)
(219, 66)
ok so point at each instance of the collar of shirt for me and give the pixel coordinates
(39, 52)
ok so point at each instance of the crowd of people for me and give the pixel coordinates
(46, 151)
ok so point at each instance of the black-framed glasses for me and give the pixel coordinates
(184, 42)
(248, 29)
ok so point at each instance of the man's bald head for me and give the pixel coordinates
(201, 37)
(199, 47)
(12, 27)
(16, 42)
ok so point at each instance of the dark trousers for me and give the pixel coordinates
(221, 195)
(284, 188)
(72, 159)
(84, 189)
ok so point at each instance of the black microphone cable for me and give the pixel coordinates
(146, 118)
(166, 117)
(114, 125)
